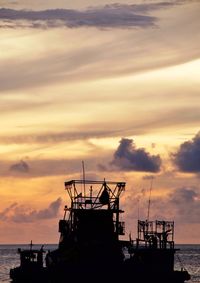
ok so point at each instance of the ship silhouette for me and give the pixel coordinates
(90, 248)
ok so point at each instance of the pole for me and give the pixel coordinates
(83, 176)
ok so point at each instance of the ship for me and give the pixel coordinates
(31, 267)
(91, 247)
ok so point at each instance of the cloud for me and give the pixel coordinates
(45, 167)
(170, 119)
(183, 203)
(109, 16)
(187, 158)
(41, 167)
(128, 158)
(183, 195)
(20, 167)
(21, 105)
(4, 213)
(59, 137)
(18, 213)
(126, 52)
(166, 119)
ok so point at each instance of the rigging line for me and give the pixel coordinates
(149, 202)
(196, 271)
(181, 262)
(188, 269)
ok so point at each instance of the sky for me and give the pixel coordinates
(113, 84)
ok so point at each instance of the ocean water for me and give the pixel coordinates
(188, 257)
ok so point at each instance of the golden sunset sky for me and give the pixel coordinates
(114, 84)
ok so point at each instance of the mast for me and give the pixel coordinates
(149, 202)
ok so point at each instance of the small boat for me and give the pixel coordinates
(152, 255)
(31, 267)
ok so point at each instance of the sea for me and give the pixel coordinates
(187, 257)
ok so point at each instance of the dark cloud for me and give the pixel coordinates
(187, 158)
(183, 196)
(109, 16)
(20, 167)
(17, 213)
(128, 158)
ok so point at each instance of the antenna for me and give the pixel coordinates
(83, 166)
(149, 203)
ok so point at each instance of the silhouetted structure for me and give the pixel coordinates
(90, 248)
(152, 255)
(31, 267)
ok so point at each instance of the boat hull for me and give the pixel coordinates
(29, 274)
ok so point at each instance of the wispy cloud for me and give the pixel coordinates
(161, 119)
(20, 214)
(126, 52)
(4, 213)
(59, 137)
(21, 104)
